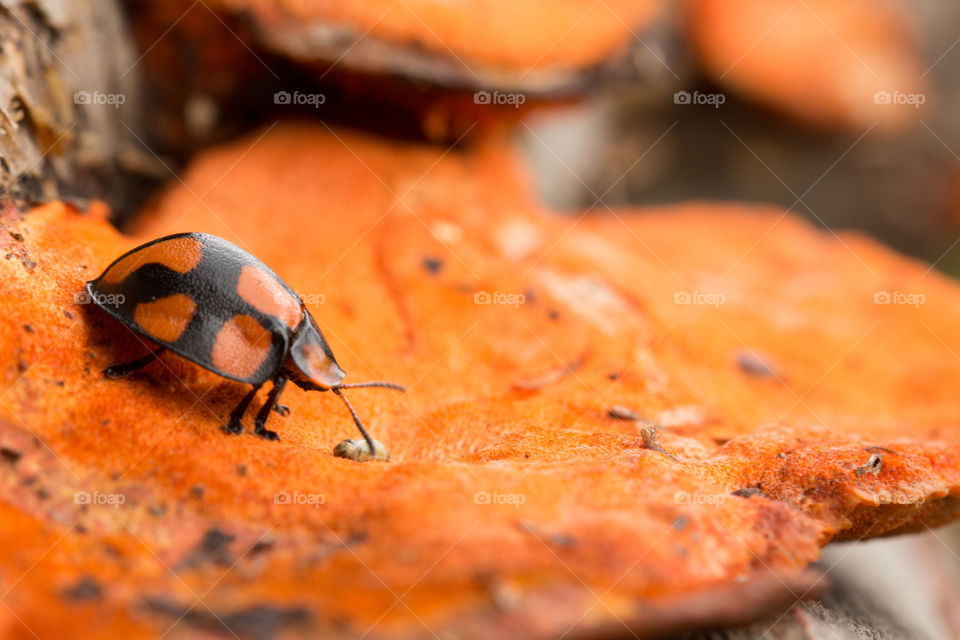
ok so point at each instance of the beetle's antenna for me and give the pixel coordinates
(385, 385)
(356, 418)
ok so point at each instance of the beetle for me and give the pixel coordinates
(211, 302)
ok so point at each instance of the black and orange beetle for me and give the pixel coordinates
(213, 303)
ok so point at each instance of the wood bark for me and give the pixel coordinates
(69, 102)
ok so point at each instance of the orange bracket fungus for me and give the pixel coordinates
(512, 511)
(855, 63)
(537, 46)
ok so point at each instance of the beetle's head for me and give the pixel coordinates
(310, 363)
(311, 366)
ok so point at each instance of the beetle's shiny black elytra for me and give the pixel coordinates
(213, 303)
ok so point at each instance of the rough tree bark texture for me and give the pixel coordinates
(68, 101)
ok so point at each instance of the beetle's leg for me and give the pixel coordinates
(258, 424)
(235, 425)
(119, 370)
(282, 409)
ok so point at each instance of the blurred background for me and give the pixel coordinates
(794, 119)
(840, 112)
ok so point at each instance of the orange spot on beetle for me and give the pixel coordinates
(179, 254)
(241, 347)
(165, 319)
(265, 294)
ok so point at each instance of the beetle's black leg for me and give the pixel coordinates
(282, 409)
(119, 370)
(235, 425)
(258, 424)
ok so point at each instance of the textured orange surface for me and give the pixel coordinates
(515, 504)
(821, 61)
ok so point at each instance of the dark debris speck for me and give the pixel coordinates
(755, 364)
(261, 546)
(84, 590)
(258, 622)
(432, 265)
(562, 540)
(213, 547)
(879, 450)
(873, 465)
(622, 413)
(749, 492)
